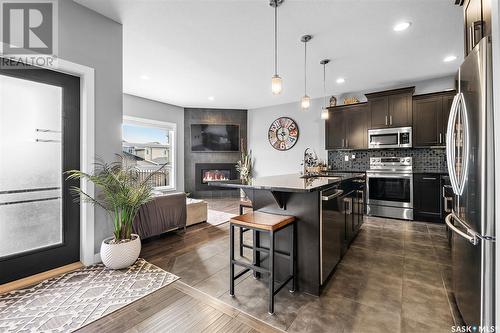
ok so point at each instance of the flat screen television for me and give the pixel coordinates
(210, 138)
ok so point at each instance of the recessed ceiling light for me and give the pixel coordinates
(144, 77)
(340, 80)
(450, 58)
(211, 98)
(402, 26)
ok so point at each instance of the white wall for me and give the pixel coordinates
(268, 161)
(139, 107)
(90, 39)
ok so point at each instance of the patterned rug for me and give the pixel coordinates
(75, 299)
(215, 217)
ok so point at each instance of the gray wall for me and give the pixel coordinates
(90, 39)
(269, 161)
(139, 107)
(209, 116)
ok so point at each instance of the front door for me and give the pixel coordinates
(39, 140)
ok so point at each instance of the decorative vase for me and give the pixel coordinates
(120, 255)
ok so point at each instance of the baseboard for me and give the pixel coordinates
(37, 278)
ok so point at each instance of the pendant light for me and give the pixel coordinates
(276, 81)
(324, 110)
(306, 100)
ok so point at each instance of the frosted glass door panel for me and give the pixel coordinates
(30, 165)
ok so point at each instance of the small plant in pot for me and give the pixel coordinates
(121, 192)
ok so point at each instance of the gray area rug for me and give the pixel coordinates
(215, 217)
(75, 299)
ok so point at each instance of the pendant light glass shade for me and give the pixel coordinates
(305, 103)
(324, 113)
(276, 80)
(324, 110)
(276, 84)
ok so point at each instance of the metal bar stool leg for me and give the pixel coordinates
(271, 272)
(231, 258)
(241, 241)
(256, 254)
(293, 267)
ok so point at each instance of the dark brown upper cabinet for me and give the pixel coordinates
(430, 118)
(477, 17)
(346, 127)
(392, 108)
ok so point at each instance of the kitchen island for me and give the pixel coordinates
(328, 209)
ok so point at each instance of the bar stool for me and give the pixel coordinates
(271, 224)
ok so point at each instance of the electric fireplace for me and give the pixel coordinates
(206, 172)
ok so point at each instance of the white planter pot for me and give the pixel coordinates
(120, 255)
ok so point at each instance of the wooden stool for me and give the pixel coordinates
(269, 223)
(244, 203)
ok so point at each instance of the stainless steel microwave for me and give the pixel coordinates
(399, 137)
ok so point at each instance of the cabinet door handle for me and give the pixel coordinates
(440, 138)
(390, 120)
(447, 208)
(428, 178)
(346, 143)
(343, 144)
(386, 120)
(470, 38)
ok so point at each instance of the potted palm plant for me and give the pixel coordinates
(121, 192)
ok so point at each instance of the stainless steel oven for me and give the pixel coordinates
(400, 137)
(389, 187)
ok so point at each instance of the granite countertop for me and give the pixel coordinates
(290, 183)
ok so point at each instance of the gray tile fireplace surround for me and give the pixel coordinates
(210, 116)
(424, 159)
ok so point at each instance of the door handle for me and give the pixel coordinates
(348, 203)
(346, 143)
(440, 138)
(343, 144)
(469, 234)
(332, 196)
(385, 120)
(450, 143)
(390, 120)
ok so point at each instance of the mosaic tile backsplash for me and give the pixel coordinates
(424, 159)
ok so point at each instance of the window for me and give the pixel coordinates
(150, 145)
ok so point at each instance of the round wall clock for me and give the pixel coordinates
(283, 133)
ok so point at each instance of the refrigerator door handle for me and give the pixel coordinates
(470, 235)
(450, 144)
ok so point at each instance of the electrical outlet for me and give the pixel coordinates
(346, 158)
(353, 156)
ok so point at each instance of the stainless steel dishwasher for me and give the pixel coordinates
(332, 230)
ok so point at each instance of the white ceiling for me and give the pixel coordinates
(190, 50)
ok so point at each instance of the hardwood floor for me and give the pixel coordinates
(177, 308)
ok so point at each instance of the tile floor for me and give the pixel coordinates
(394, 278)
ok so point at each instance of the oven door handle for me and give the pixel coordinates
(382, 175)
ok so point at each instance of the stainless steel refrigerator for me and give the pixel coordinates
(470, 157)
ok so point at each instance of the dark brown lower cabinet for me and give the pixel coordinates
(427, 197)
